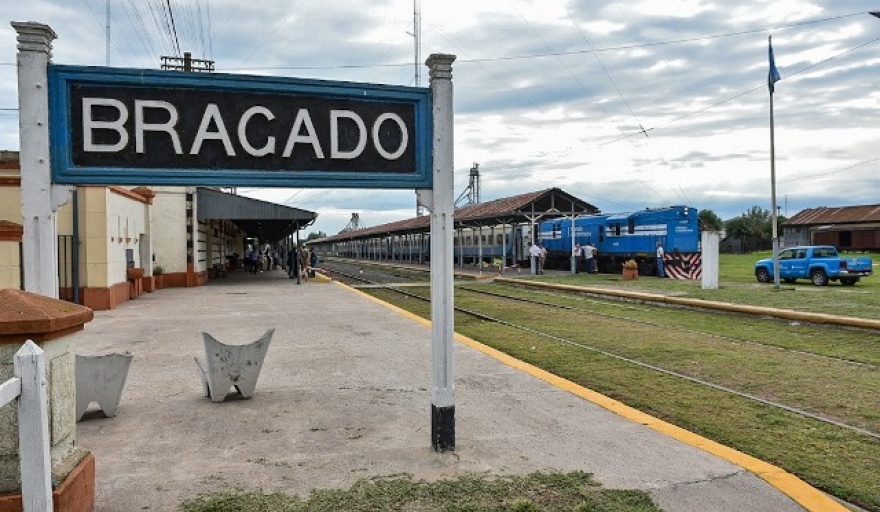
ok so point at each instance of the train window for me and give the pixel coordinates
(483, 239)
(500, 239)
(616, 228)
(455, 241)
(467, 241)
(631, 226)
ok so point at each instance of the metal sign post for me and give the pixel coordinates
(442, 258)
(40, 199)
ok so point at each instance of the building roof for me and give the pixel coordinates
(266, 221)
(835, 215)
(542, 204)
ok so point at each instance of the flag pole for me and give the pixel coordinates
(773, 214)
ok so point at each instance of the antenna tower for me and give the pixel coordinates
(417, 41)
(354, 224)
(474, 184)
(472, 192)
(107, 32)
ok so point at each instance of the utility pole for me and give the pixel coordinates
(417, 43)
(187, 63)
(107, 32)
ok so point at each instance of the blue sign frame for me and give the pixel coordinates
(62, 80)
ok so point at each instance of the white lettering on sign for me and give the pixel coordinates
(213, 127)
(334, 135)
(378, 124)
(303, 119)
(242, 131)
(90, 125)
(212, 113)
(168, 126)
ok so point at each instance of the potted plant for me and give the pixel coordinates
(630, 270)
(157, 276)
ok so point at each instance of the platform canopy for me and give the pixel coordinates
(519, 209)
(268, 222)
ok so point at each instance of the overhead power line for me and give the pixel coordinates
(563, 53)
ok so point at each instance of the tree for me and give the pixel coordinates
(709, 221)
(754, 227)
(314, 236)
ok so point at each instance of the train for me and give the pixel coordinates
(629, 236)
(618, 237)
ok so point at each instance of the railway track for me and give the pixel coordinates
(368, 278)
(660, 325)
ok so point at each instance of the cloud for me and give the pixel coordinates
(553, 94)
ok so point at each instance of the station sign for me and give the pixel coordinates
(117, 126)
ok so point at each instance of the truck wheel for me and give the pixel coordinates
(818, 277)
(849, 281)
(762, 275)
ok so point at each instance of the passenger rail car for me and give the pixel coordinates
(623, 236)
(469, 245)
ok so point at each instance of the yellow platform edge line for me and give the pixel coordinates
(801, 492)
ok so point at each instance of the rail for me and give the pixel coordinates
(28, 388)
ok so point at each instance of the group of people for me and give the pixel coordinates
(298, 262)
(258, 260)
(585, 257)
(301, 263)
(538, 254)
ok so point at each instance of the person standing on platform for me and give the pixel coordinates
(304, 264)
(293, 263)
(535, 255)
(578, 256)
(661, 270)
(543, 258)
(590, 253)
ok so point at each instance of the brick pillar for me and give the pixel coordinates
(47, 322)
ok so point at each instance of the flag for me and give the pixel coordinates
(773, 76)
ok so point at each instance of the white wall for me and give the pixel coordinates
(169, 228)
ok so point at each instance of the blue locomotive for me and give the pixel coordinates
(624, 236)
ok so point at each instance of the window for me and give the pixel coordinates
(631, 226)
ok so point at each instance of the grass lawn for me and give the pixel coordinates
(544, 492)
(737, 284)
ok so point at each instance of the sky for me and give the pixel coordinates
(625, 104)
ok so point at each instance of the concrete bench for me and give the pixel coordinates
(100, 379)
(227, 366)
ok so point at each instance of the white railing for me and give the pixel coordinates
(28, 387)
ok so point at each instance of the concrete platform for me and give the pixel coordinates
(344, 395)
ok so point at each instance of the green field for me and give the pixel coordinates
(737, 284)
(538, 492)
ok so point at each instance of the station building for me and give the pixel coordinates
(116, 243)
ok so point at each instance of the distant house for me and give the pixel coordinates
(849, 228)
